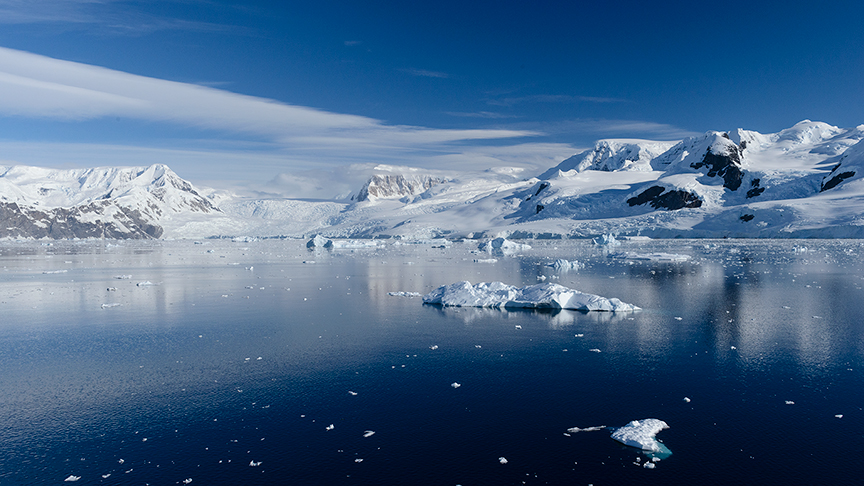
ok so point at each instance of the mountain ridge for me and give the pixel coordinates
(804, 181)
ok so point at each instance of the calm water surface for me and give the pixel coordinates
(232, 366)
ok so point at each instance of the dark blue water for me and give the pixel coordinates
(246, 355)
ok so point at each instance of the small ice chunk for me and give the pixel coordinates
(539, 296)
(405, 294)
(433, 347)
(72, 478)
(369, 433)
(145, 283)
(839, 415)
(255, 464)
(358, 460)
(123, 277)
(790, 402)
(54, 271)
(518, 326)
(187, 480)
(330, 427)
(649, 465)
(641, 434)
(502, 460)
(455, 385)
(686, 399)
(574, 430)
(594, 350)
(653, 257)
(105, 306)
(352, 393)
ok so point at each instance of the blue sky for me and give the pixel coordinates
(235, 93)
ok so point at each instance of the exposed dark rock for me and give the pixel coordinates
(837, 179)
(646, 195)
(380, 186)
(543, 185)
(755, 190)
(111, 221)
(539, 208)
(727, 166)
(747, 217)
(661, 199)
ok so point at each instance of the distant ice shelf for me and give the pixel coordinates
(540, 296)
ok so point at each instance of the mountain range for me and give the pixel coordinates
(805, 181)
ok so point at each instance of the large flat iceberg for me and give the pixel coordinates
(641, 434)
(540, 296)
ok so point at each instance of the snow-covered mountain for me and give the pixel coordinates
(102, 202)
(805, 181)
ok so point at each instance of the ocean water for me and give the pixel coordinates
(266, 363)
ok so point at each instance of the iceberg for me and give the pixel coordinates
(503, 245)
(540, 296)
(318, 242)
(641, 435)
(606, 240)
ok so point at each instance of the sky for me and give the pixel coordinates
(303, 99)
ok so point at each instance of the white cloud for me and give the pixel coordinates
(38, 86)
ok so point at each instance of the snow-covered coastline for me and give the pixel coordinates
(802, 182)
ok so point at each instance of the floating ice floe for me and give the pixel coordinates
(146, 283)
(642, 435)
(350, 244)
(255, 464)
(405, 294)
(455, 385)
(540, 296)
(574, 430)
(369, 433)
(105, 306)
(606, 240)
(563, 265)
(502, 460)
(654, 257)
(72, 478)
(503, 245)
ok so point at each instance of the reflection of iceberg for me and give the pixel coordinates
(563, 265)
(641, 435)
(540, 296)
